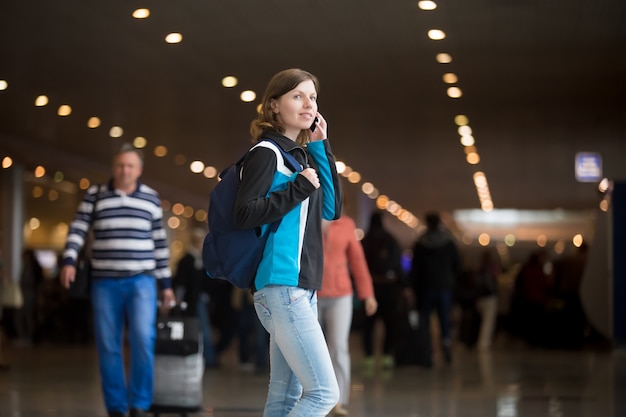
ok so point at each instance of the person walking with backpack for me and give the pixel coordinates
(302, 380)
(130, 259)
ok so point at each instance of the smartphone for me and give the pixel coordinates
(314, 125)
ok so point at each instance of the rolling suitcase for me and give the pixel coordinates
(413, 346)
(178, 366)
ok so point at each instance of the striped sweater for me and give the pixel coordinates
(128, 234)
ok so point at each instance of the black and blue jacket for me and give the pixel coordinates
(270, 191)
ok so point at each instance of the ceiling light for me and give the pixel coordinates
(7, 162)
(173, 222)
(188, 213)
(140, 142)
(461, 120)
(93, 122)
(178, 209)
(393, 207)
(40, 171)
(472, 158)
(64, 110)
(486, 205)
(367, 187)
(84, 183)
(374, 194)
(141, 13)
(603, 186)
(354, 177)
(470, 149)
(201, 215)
(436, 34)
(479, 178)
(34, 223)
(578, 240)
(174, 37)
(160, 151)
(3, 85)
(443, 58)
(229, 81)
(559, 247)
(450, 78)
(542, 240)
(37, 191)
(210, 172)
(604, 205)
(509, 240)
(484, 239)
(180, 159)
(464, 130)
(247, 96)
(41, 101)
(467, 140)
(116, 132)
(381, 201)
(341, 166)
(454, 92)
(196, 167)
(427, 5)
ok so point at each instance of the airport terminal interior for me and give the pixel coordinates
(506, 117)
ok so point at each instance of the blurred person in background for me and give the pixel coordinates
(344, 260)
(384, 261)
(191, 286)
(130, 259)
(434, 271)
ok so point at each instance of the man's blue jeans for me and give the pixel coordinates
(118, 302)
(302, 380)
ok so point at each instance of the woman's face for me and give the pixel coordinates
(297, 108)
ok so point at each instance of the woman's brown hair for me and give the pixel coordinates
(281, 83)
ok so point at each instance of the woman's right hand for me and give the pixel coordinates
(311, 175)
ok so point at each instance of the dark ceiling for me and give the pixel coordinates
(541, 81)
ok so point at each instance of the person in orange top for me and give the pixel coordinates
(343, 258)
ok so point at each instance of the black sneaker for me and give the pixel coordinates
(136, 412)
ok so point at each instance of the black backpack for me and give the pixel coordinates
(230, 253)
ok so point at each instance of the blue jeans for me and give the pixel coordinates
(302, 380)
(116, 302)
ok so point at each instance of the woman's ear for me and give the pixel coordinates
(274, 106)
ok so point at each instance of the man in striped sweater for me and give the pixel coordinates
(129, 258)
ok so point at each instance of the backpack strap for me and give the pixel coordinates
(287, 161)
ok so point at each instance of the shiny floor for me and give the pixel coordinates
(512, 380)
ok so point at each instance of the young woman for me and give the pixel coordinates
(302, 381)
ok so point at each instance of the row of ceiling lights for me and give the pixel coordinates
(467, 139)
(471, 153)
